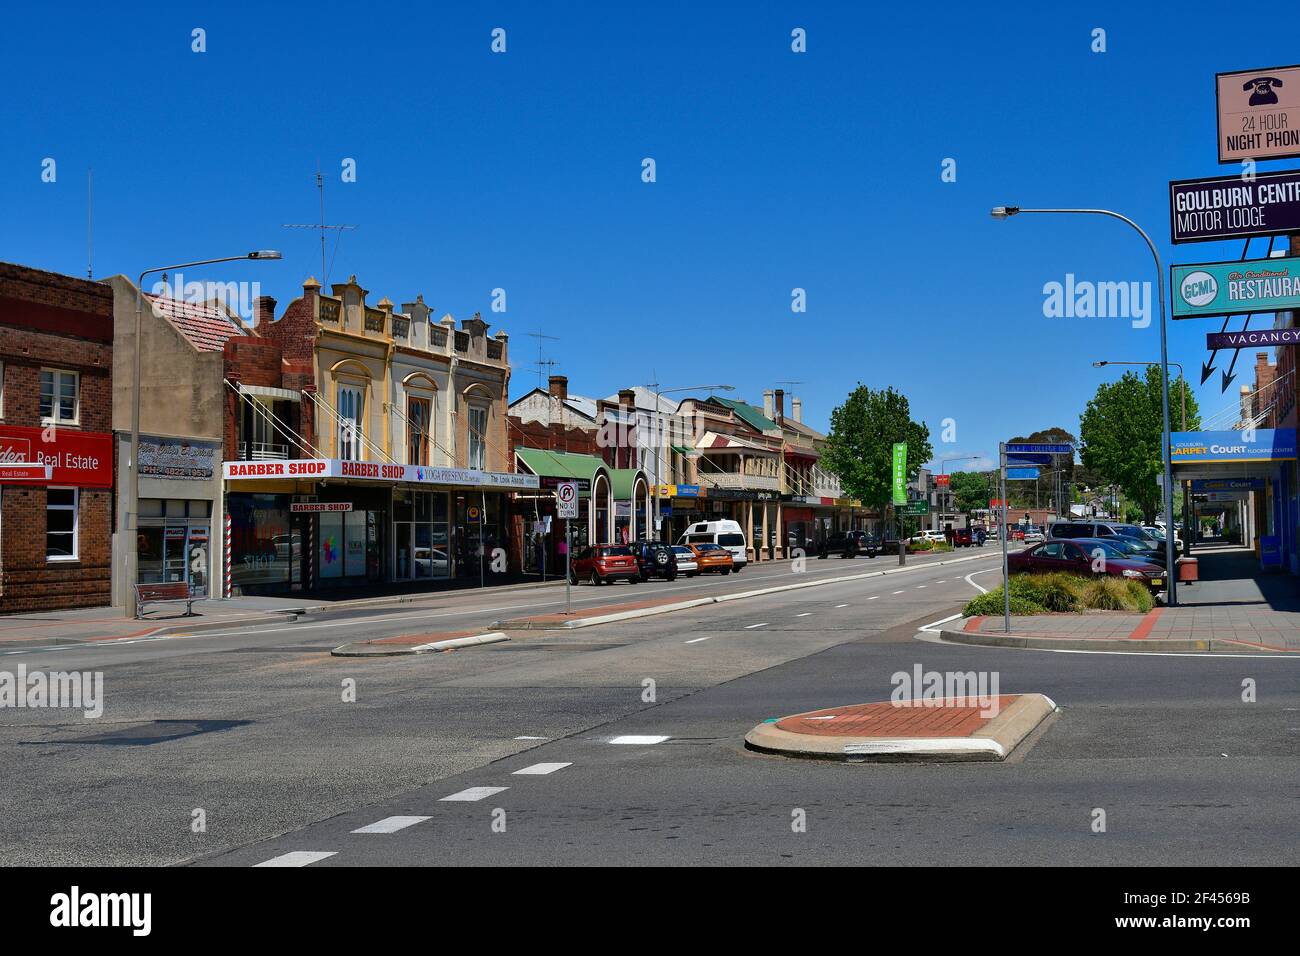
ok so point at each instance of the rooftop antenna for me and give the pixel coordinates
(542, 363)
(322, 226)
(90, 223)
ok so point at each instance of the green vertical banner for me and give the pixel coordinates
(900, 473)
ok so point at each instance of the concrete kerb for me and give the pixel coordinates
(1130, 645)
(526, 624)
(367, 649)
(994, 742)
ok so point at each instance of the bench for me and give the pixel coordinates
(174, 592)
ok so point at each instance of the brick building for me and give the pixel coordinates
(56, 444)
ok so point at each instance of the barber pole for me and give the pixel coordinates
(229, 590)
(311, 553)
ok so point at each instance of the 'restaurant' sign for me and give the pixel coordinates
(1235, 288)
(77, 458)
(1252, 338)
(1259, 113)
(1230, 207)
(310, 468)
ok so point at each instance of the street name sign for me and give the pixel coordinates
(914, 508)
(1028, 458)
(1235, 288)
(1258, 113)
(566, 500)
(1021, 474)
(1232, 207)
(1050, 448)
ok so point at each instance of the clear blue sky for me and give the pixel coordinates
(775, 170)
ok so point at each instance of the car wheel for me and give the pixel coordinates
(726, 570)
(595, 579)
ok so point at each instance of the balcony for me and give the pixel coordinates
(263, 451)
(740, 482)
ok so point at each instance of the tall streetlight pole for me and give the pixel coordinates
(1006, 212)
(659, 393)
(133, 464)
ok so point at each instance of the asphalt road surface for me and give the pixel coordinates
(249, 732)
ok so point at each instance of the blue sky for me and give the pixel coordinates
(775, 170)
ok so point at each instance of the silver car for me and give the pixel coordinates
(686, 563)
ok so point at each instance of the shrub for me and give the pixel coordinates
(1116, 594)
(991, 604)
(1045, 593)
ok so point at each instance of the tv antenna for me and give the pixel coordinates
(542, 363)
(323, 227)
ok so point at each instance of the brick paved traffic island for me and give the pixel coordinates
(949, 729)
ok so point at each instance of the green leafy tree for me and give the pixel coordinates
(859, 448)
(971, 490)
(1120, 433)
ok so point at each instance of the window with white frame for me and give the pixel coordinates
(61, 524)
(351, 409)
(478, 418)
(59, 404)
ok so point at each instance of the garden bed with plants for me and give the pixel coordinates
(925, 547)
(1064, 594)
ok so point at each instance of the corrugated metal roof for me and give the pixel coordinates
(749, 413)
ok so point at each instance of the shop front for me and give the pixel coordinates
(758, 512)
(596, 503)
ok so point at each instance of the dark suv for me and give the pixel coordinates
(656, 559)
(849, 544)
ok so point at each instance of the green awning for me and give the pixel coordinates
(683, 449)
(623, 480)
(559, 464)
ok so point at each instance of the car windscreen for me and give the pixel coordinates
(682, 549)
(619, 552)
(707, 547)
(731, 540)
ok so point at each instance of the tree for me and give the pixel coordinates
(1120, 430)
(859, 448)
(971, 490)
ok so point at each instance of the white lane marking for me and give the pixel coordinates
(750, 627)
(898, 592)
(804, 614)
(526, 737)
(541, 768)
(968, 577)
(873, 597)
(934, 624)
(473, 793)
(841, 605)
(696, 640)
(390, 824)
(942, 581)
(638, 739)
(919, 586)
(299, 858)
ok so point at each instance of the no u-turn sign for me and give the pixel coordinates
(566, 500)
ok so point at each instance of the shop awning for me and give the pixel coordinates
(713, 441)
(559, 464)
(622, 481)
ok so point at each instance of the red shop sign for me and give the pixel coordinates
(81, 459)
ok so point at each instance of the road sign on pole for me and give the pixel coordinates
(1021, 474)
(1002, 536)
(1049, 448)
(566, 500)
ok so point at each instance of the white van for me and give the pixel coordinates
(725, 534)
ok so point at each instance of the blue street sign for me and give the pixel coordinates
(1050, 448)
(1021, 474)
(1028, 458)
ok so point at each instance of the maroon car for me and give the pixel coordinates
(605, 562)
(1080, 556)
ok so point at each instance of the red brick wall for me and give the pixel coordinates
(67, 323)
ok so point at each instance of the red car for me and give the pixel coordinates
(605, 562)
(1078, 557)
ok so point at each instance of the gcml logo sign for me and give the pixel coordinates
(1198, 289)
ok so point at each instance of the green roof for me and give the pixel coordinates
(621, 481)
(559, 464)
(748, 413)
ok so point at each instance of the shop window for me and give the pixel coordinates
(477, 437)
(350, 411)
(61, 524)
(59, 403)
(418, 416)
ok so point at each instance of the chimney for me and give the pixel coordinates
(559, 387)
(627, 397)
(767, 403)
(263, 309)
(779, 403)
(796, 408)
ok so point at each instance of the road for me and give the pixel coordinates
(252, 730)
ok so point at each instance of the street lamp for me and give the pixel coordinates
(1182, 392)
(659, 393)
(133, 494)
(1006, 212)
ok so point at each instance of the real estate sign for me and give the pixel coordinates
(1235, 288)
(1259, 113)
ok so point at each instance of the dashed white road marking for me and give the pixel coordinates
(919, 586)
(541, 768)
(639, 739)
(873, 597)
(696, 640)
(841, 605)
(299, 858)
(473, 793)
(942, 581)
(750, 627)
(898, 592)
(390, 824)
(526, 737)
(804, 614)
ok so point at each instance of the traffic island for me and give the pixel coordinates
(945, 730)
(1164, 630)
(418, 644)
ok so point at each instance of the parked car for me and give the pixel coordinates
(1078, 556)
(686, 562)
(1032, 535)
(849, 544)
(604, 562)
(928, 535)
(1153, 548)
(656, 559)
(725, 534)
(713, 558)
(968, 537)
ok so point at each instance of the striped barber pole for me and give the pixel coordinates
(229, 589)
(311, 552)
